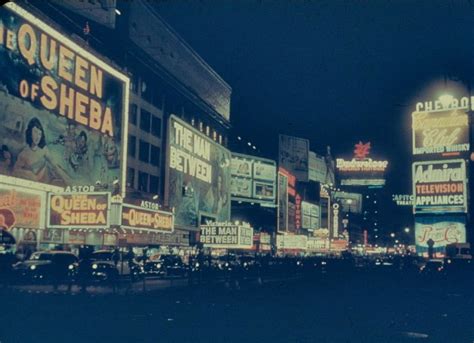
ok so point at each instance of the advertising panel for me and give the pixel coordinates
(63, 111)
(440, 133)
(294, 155)
(136, 217)
(292, 242)
(226, 235)
(350, 202)
(440, 186)
(78, 210)
(317, 168)
(21, 208)
(198, 176)
(253, 179)
(282, 224)
(310, 215)
(442, 230)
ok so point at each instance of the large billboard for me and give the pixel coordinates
(197, 176)
(288, 209)
(21, 208)
(440, 186)
(294, 156)
(317, 168)
(63, 111)
(311, 216)
(253, 179)
(78, 210)
(350, 202)
(282, 222)
(440, 133)
(442, 230)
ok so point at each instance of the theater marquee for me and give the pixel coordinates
(440, 186)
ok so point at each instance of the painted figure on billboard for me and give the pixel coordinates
(61, 108)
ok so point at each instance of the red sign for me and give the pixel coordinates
(20, 209)
(361, 150)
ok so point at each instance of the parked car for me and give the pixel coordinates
(165, 265)
(104, 261)
(48, 266)
(433, 268)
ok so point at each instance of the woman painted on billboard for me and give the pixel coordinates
(34, 161)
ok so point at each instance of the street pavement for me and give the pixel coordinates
(339, 307)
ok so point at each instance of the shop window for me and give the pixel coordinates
(133, 114)
(131, 177)
(142, 182)
(145, 120)
(144, 153)
(132, 146)
(156, 126)
(154, 184)
(155, 155)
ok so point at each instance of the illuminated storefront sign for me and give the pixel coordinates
(403, 199)
(78, 210)
(437, 105)
(443, 132)
(135, 217)
(21, 208)
(440, 186)
(442, 230)
(291, 242)
(335, 220)
(63, 111)
(197, 174)
(226, 235)
(253, 179)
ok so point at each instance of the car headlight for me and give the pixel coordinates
(245, 264)
(226, 264)
(197, 264)
(95, 266)
(323, 263)
(33, 267)
(158, 265)
(71, 267)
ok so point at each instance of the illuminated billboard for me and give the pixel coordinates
(226, 235)
(287, 202)
(310, 216)
(78, 210)
(440, 186)
(282, 222)
(361, 170)
(317, 168)
(63, 111)
(21, 208)
(253, 179)
(441, 133)
(197, 176)
(350, 202)
(294, 155)
(136, 217)
(442, 230)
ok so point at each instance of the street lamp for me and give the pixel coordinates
(407, 230)
(392, 235)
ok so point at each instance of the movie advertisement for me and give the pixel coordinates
(294, 155)
(226, 235)
(63, 111)
(440, 133)
(198, 176)
(21, 208)
(135, 217)
(282, 224)
(79, 210)
(442, 230)
(440, 186)
(253, 179)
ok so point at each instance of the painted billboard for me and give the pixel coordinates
(310, 216)
(294, 156)
(440, 133)
(136, 217)
(21, 208)
(318, 169)
(63, 111)
(440, 186)
(78, 210)
(253, 179)
(288, 208)
(226, 235)
(350, 202)
(443, 230)
(197, 176)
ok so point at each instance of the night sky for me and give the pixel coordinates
(332, 71)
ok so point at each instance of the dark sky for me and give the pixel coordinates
(332, 71)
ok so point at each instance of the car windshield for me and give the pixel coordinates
(41, 256)
(102, 256)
